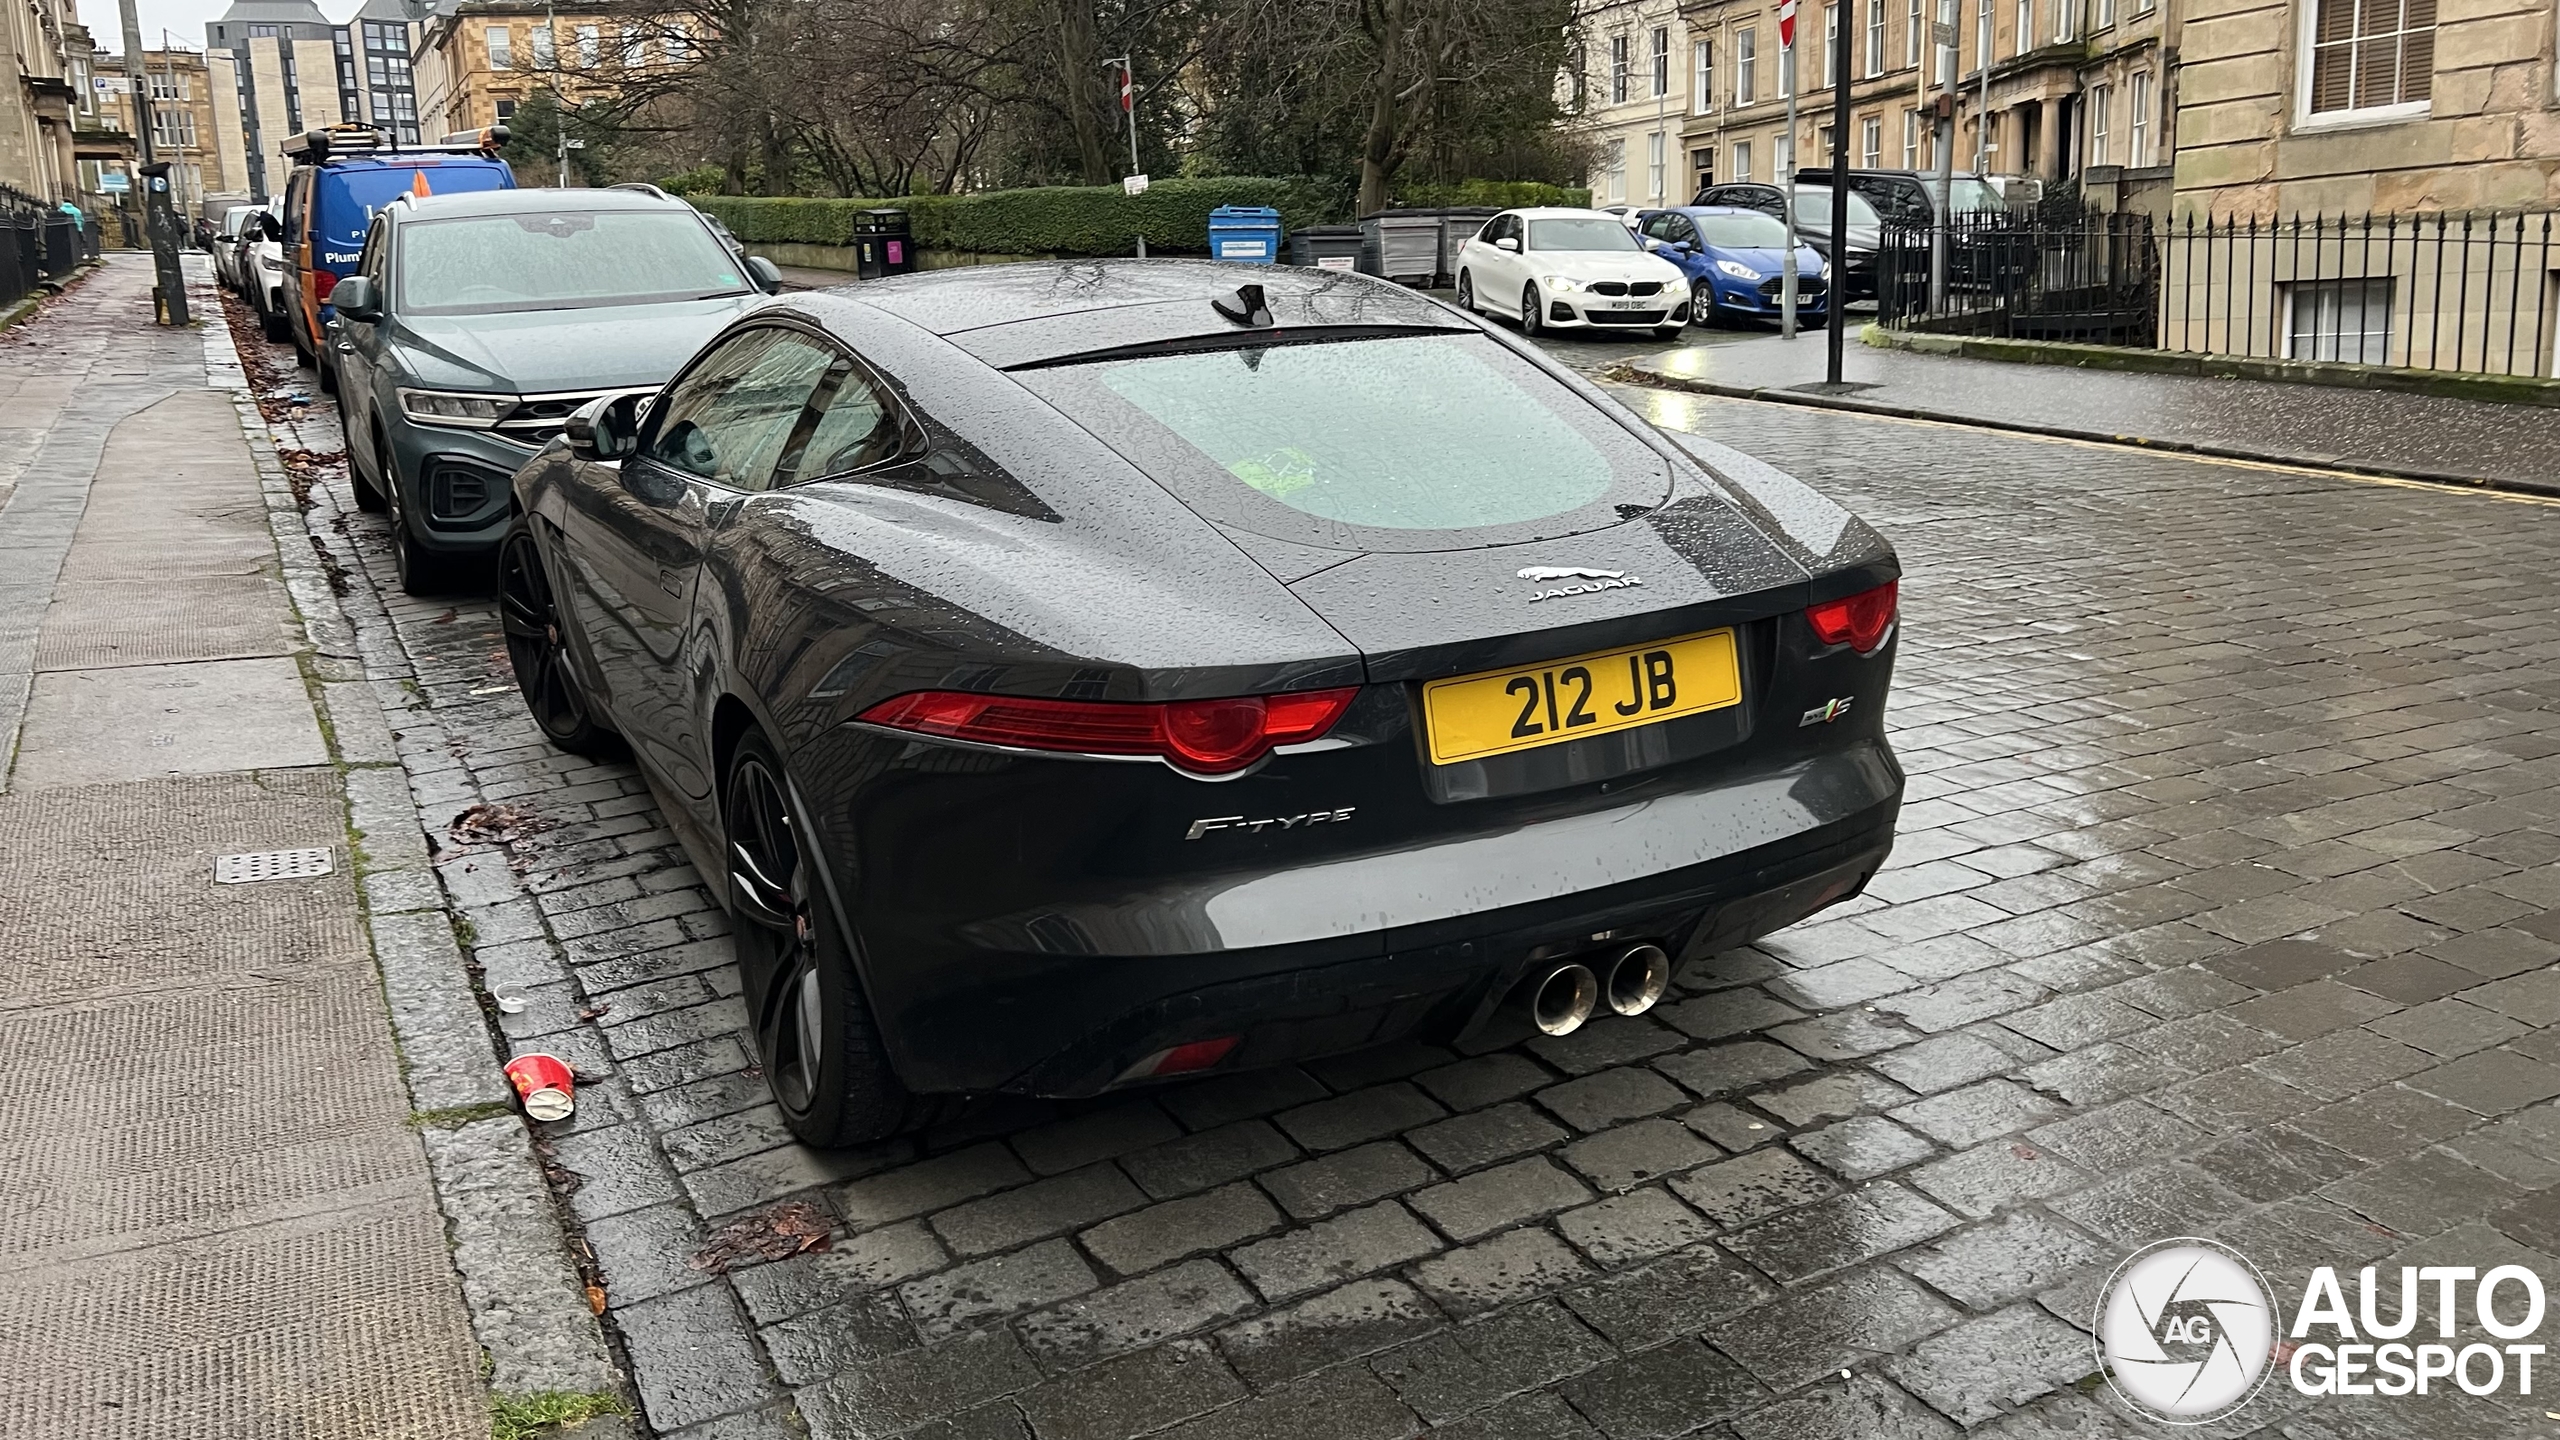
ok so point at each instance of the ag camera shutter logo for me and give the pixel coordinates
(2185, 1331)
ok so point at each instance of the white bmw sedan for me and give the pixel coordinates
(1555, 268)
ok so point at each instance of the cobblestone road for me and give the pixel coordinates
(2223, 905)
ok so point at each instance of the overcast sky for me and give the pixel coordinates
(183, 19)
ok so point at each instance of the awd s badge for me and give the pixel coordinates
(1827, 711)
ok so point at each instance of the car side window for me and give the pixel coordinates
(1658, 227)
(728, 420)
(1679, 231)
(851, 425)
(1506, 227)
(374, 264)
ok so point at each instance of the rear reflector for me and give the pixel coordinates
(1208, 736)
(1181, 1059)
(1858, 620)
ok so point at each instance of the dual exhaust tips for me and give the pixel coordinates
(1629, 983)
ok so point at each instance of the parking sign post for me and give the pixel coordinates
(1787, 183)
(1844, 68)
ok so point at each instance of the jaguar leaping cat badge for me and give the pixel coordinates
(1592, 579)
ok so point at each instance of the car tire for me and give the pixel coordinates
(421, 571)
(328, 376)
(815, 1037)
(369, 493)
(302, 355)
(538, 649)
(271, 324)
(1467, 294)
(1702, 304)
(1532, 312)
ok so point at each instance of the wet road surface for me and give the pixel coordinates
(2224, 904)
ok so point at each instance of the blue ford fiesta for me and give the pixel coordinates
(1732, 258)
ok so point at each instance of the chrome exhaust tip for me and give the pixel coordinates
(1565, 999)
(1638, 978)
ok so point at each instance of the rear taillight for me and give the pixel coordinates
(1858, 621)
(1211, 737)
(322, 282)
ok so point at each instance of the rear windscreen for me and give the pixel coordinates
(1418, 442)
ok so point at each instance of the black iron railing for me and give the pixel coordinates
(22, 221)
(2477, 293)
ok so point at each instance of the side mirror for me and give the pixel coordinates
(1507, 243)
(354, 299)
(765, 273)
(607, 427)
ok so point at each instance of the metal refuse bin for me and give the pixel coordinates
(1401, 245)
(1458, 225)
(882, 244)
(1249, 233)
(1326, 247)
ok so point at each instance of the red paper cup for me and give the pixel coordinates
(546, 1085)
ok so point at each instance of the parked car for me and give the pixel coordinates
(1035, 661)
(1626, 214)
(1735, 260)
(1911, 197)
(227, 237)
(342, 175)
(262, 271)
(475, 323)
(1854, 262)
(1554, 268)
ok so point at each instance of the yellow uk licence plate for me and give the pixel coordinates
(1472, 716)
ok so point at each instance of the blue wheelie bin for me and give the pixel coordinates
(1250, 233)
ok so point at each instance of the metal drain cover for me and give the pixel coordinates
(273, 865)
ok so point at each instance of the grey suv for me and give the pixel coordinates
(475, 324)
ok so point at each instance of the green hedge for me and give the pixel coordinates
(1093, 219)
(1053, 220)
(1500, 194)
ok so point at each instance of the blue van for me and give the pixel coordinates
(341, 176)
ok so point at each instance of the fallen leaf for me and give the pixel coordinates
(790, 1228)
(595, 1298)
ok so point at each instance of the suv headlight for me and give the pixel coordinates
(1563, 284)
(455, 408)
(1737, 270)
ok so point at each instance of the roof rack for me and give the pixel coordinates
(318, 147)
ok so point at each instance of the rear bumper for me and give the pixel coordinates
(1336, 956)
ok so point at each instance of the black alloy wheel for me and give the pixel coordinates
(1532, 322)
(538, 647)
(421, 571)
(369, 493)
(1467, 294)
(814, 1034)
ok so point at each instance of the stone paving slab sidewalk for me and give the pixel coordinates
(2377, 432)
(2223, 905)
(222, 1220)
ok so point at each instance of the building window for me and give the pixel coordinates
(546, 48)
(2106, 14)
(635, 48)
(2370, 54)
(1655, 180)
(1703, 161)
(590, 46)
(1947, 15)
(1746, 69)
(1911, 35)
(506, 111)
(2139, 141)
(502, 55)
(1910, 139)
(2338, 320)
(1702, 86)
(1742, 160)
(1661, 62)
(2026, 26)
(1871, 142)
(1617, 69)
(677, 47)
(2099, 97)
(173, 129)
(1782, 157)
(2066, 19)
(1875, 38)
(1832, 69)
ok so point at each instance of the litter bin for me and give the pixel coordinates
(1250, 233)
(1326, 247)
(1401, 245)
(882, 244)
(1458, 225)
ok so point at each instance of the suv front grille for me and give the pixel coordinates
(539, 417)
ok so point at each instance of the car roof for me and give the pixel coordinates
(534, 202)
(1038, 310)
(1706, 210)
(1554, 212)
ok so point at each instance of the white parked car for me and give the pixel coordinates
(226, 246)
(1567, 269)
(262, 273)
